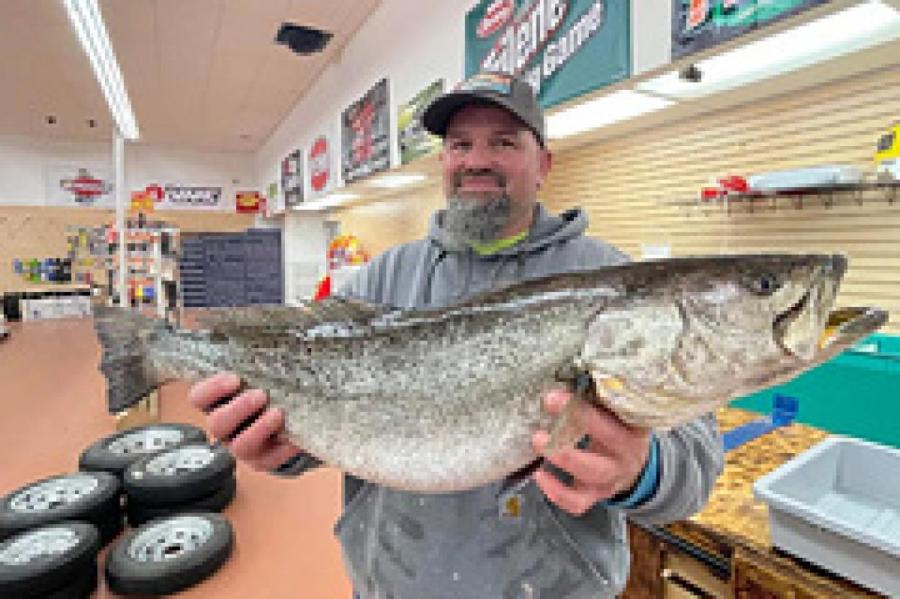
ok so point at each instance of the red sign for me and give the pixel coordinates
(247, 201)
(85, 188)
(319, 169)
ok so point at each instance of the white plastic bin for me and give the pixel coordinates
(837, 505)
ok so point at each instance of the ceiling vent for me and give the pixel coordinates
(302, 39)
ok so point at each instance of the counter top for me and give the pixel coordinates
(734, 524)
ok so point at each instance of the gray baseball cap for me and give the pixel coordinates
(511, 93)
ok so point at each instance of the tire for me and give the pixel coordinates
(80, 588)
(116, 452)
(111, 527)
(86, 496)
(180, 475)
(139, 513)
(44, 560)
(154, 559)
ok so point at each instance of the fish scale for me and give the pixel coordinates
(447, 400)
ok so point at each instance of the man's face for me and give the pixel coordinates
(493, 168)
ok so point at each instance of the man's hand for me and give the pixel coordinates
(263, 445)
(611, 464)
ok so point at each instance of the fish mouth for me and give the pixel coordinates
(846, 326)
(784, 321)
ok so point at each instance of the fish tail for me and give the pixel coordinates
(124, 336)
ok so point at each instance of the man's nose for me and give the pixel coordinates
(479, 156)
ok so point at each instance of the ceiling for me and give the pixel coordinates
(201, 74)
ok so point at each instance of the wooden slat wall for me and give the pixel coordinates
(40, 232)
(628, 185)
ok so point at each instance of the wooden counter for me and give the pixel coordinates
(725, 549)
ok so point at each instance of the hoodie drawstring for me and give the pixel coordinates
(429, 276)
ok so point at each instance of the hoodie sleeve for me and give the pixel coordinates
(690, 459)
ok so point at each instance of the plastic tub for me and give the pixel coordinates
(837, 505)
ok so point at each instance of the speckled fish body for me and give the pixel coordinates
(446, 400)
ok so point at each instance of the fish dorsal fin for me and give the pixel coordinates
(265, 325)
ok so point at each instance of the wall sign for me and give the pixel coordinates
(319, 166)
(365, 134)
(565, 48)
(701, 24)
(414, 140)
(292, 179)
(248, 202)
(78, 186)
(192, 196)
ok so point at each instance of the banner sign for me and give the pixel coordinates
(414, 140)
(292, 179)
(185, 196)
(248, 201)
(79, 186)
(701, 24)
(366, 134)
(142, 201)
(320, 173)
(564, 48)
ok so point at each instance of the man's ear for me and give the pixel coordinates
(546, 161)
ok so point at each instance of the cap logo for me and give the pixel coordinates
(492, 82)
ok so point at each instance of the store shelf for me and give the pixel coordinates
(857, 194)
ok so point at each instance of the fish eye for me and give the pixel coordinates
(764, 284)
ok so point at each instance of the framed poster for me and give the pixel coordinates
(366, 134)
(292, 179)
(701, 24)
(414, 140)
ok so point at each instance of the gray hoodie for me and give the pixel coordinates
(467, 545)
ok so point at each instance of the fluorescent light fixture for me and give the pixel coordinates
(604, 110)
(332, 200)
(88, 22)
(849, 30)
(397, 180)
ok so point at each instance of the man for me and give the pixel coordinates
(562, 535)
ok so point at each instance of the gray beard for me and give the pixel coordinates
(471, 220)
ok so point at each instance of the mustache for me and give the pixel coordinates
(500, 178)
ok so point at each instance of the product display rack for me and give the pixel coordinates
(151, 254)
(828, 196)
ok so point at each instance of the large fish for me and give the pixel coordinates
(446, 400)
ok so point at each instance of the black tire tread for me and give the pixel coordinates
(157, 490)
(55, 572)
(141, 513)
(94, 508)
(97, 457)
(127, 576)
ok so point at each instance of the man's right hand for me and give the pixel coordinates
(263, 445)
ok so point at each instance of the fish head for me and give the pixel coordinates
(701, 332)
(777, 304)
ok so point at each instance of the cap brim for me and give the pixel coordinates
(438, 114)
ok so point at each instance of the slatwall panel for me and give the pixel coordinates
(40, 232)
(629, 186)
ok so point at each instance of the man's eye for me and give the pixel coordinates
(458, 145)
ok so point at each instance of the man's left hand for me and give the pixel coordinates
(609, 465)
